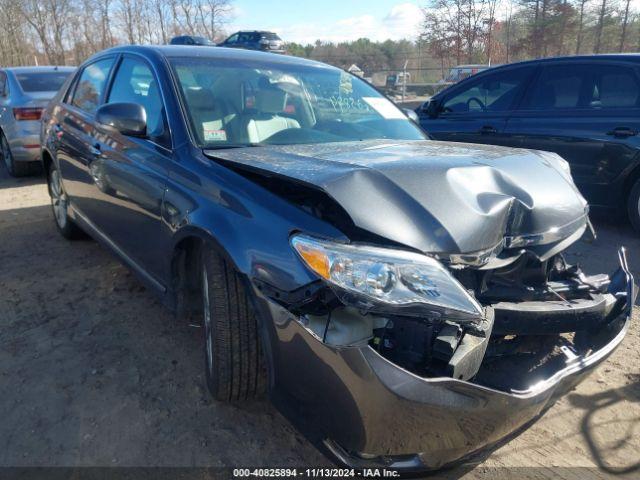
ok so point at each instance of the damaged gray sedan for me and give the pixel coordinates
(406, 302)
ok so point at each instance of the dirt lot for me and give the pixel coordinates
(93, 371)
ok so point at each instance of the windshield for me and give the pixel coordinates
(41, 81)
(231, 104)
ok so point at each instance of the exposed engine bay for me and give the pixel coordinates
(503, 308)
(537, 316)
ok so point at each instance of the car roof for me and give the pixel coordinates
(472, 65)
(43, 68)
(635, 57)
(254, 31)
(213, 53)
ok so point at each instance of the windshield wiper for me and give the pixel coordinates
(233, 145)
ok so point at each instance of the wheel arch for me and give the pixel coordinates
(630, 181)
(186, 269)
(47, 161)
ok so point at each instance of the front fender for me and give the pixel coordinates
(248, 224)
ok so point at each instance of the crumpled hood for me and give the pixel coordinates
(437, 197)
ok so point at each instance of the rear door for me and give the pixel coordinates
(77, 147)
(589, 113)
(476, 111)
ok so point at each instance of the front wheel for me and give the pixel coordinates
(60, 205)
(234, 363)
(633, 206)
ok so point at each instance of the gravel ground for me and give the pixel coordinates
(94, 372)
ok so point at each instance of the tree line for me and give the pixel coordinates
(493, 31)
(453, 32)
(66, 32)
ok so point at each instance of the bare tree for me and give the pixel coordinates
(583, 3)
(625, 21)
(162, 15)
(600, 25)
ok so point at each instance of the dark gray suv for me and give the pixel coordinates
(256, 40)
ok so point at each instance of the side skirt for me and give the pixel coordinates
(99, 236)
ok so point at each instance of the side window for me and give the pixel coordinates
(559, 87)
(68, 96)
(492, 93)
(134, 83)
(232, 39)
(614, 87)
(91, 84)
(3, 84)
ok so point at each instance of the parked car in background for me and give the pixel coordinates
(460, 72)
(24, 92)
(397, 295)
(192, 40)
(255, 40)
(584, 108)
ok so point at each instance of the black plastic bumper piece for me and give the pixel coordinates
(551, 317)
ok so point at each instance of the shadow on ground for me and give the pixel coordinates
(627, 428)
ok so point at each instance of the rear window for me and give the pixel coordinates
(41, 81)
(270, 36)
(615, 87)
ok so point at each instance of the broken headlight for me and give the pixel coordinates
(387, 280)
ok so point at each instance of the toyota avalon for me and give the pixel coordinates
(405, 302)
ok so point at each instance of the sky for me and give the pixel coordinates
(305, 21)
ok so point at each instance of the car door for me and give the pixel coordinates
(130, 173)
(589, 113)
(76, 145)
(476, 111)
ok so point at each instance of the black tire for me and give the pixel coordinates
(15, 169)
(59, 206)
(234, 364)
(633, 205)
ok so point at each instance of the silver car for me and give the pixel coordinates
(24, 92)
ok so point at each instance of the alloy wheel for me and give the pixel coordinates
(207, 319)
(58, 199)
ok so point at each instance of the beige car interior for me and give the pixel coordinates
(227, 111)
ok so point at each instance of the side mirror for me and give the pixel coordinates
(126, 118)
(431, 108)
(411, 115)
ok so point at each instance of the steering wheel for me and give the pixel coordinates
(478, 101)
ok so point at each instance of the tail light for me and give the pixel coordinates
(27, 113)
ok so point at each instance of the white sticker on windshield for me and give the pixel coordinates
(214, 135)
(384, 107)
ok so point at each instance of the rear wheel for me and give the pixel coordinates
(15, 169)
(60, 205)
(633, 206)
(234, 362)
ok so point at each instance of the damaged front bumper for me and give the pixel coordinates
(368, 411)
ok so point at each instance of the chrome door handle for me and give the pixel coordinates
(487, 129)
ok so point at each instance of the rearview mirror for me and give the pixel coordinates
(126, 118)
